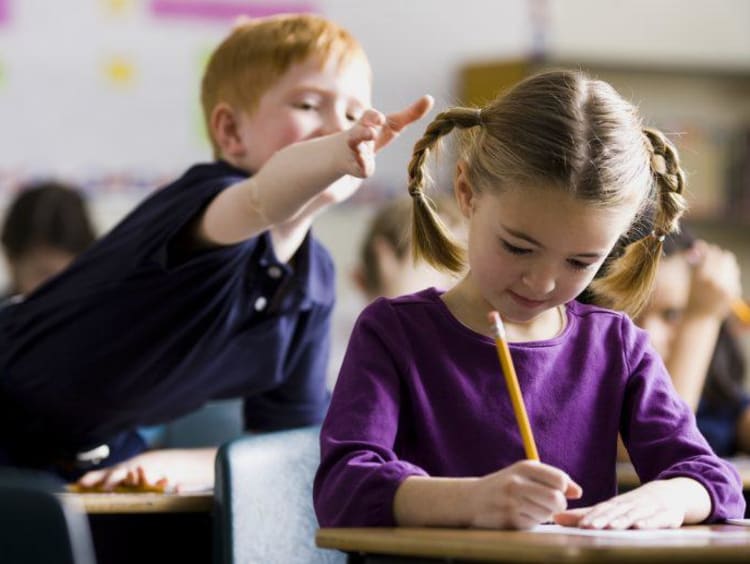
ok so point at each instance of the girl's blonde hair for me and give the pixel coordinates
(258, 52)
(561, 129)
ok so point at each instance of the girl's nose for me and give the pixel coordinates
(540, 281)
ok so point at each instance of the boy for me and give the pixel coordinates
(213, 287)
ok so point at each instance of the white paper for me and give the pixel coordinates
(643, 534)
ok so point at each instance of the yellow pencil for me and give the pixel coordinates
(741, 310)
(511, 380)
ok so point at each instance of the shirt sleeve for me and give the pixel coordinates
(660, 432)
(359, 471)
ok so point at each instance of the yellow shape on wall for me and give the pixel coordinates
(117, 6)
(119, 71)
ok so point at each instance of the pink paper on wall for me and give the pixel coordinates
(224, 9)
(4, 11)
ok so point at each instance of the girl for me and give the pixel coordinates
(386, 266)
(421, 431)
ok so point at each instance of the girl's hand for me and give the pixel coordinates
(715, 281)
(522, 495)
(655, 505)
(154, 470)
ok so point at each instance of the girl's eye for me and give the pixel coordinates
(351, 117)
(579, 265)
(512, 249)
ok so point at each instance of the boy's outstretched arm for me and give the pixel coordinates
(300, 180)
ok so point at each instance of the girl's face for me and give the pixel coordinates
(663, 313)
(532, 249)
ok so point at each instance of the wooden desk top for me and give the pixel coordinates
(627, 478)
(514, 546)
(192, 502)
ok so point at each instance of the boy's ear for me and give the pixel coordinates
(464, 194)
(226, 131)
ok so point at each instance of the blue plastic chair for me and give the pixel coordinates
(264, 512)
(37, 525)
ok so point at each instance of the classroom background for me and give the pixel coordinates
(104, 93)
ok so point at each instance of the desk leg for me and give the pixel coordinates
(148, 537)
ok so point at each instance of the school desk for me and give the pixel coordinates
(719, 543)
(150, 527)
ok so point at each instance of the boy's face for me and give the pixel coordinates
(306, 102)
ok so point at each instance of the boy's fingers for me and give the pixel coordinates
(398, 120)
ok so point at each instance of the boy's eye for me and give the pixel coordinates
(512, 249)
(306, 105)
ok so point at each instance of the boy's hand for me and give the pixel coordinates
(373, 131)
(522, 495)
(170, 468)
(396, 122)
(361, 140)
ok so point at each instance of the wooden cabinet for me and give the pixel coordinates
(704, 111)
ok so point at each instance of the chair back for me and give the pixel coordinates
(37, 525)
(264, 512)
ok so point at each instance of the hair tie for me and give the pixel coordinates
(479, 116)
(416, 193)
(658, 235)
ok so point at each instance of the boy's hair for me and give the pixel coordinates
(564, 129)
(258, 52)
(48, 214)
(391, 223)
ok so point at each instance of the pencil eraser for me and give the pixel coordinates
(493, 317)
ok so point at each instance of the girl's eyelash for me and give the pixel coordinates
(515, 250)
(578, 265)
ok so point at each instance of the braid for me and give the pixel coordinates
(627, 285)
(432, 240)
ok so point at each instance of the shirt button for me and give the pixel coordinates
(260, 304)
(274, 272)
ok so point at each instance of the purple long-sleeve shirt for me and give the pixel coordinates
(421, 394)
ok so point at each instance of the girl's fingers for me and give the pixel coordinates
(571, 517)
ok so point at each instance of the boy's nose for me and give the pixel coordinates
(335, 122)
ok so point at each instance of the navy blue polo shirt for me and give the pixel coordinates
(133, 334)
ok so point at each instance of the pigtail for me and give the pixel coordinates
(432, 240)
(629, 280)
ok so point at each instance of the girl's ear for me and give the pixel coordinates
(464, 193)
(226, 132)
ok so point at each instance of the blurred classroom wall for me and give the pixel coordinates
(104, 93)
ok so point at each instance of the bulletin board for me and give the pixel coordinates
(105, 93)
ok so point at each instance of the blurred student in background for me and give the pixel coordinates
(688, 319)
(45, 227)
(386, 266)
